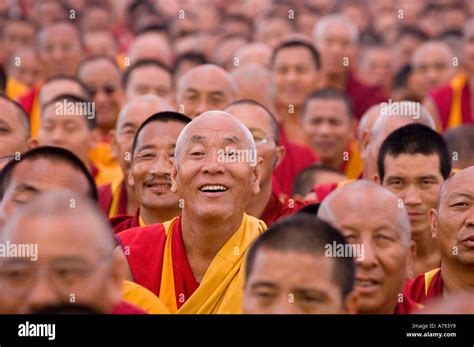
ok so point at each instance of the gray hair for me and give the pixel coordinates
(320, 27)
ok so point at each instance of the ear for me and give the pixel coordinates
(119, 273)
(377, 178)
(113, 143)
(173, 175)
(280, 155)
(411, 258)
(365, 142)
(32, 143)
(351, 302)
(130, 180)
(256, 175)
(433, 218)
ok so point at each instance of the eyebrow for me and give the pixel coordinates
(263, 284)
(128, 124)
(459, 194)
(27, 187)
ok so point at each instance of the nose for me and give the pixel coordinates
(57, 137)
(212, 163)
(411, 196)
(201, 107)
(161, 166)
(42, 294)
(368, 258)
(285, 305)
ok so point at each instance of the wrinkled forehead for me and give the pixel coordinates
(459, 185)
(221, 128)
(199, 80)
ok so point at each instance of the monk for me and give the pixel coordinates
(452, 225)
(81, 267)
(195, 95)
(328, 125)
(413, 162)
(370, 218)
(14, 127)
(149, 176)
(288, 270)
(42, 169)
(194, 262)
(118, 197)
(461, 145)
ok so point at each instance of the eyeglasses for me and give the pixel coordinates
(17, 276)
(107, 89)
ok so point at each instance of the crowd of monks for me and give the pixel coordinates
(216, 156)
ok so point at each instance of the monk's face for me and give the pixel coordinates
(328, 128)
(151, 167)
(31, 177)
(380, 274)
(66, 131)
(12, 133)
(258, 122)
(292, 283)
(204, 90)
(60, 50)
(150, 80)
(29, 72)
(100, 43)
(214, 173)
(416, 180)
(70, 267)
(272, 30)
(126, 129)
(103, 81)
(17, 34)
(295, 75)
(453, 223)
(378, 68)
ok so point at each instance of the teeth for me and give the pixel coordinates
(163, 185)
(365, 283)
(213, 188)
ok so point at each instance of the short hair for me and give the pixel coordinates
(413, 32)
(53, 154)
(415, 139)
(298, 43)
(61, 21)
(461, 141)
(329, 94)
(142, 63)
(273, 121)
(83, 86)
(197, 57)
(91, 121)
(304, 178)
(3, 79)
(340, 19)
(163, 117)
(308, 235)
(24, 117)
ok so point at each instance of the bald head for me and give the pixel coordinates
(430, 49)
(364, 196)
(150, 46)
(452, 185)
(367, 121)
(461, 145)
(254, 53)
(203, 88)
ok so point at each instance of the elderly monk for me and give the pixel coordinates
(461, 145)
(118, 198)
(150, 172)
(14, 128)
(194, 262)
(81, 266)
(288, 270)
(370, 216)
(266, 205)
(413, 162)
(452, 225)
(195, 94)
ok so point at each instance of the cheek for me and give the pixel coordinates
(392, 260)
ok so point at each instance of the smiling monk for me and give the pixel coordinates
(194, 262)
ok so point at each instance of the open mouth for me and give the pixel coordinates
(365, 283)
(213, 188)
(158, 187)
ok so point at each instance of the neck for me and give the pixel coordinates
(335, 163)
(132, 203)
(335, 80)
(154, 216)
(426, 246)
(456, 277)
(203, 238)
(258, 203)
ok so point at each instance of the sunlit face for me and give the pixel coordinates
(12, 132)
(102, 79)
(151, 167)
(31, 177)
(373, 222)
(292, 283)
(214, 173)
(416, 180)
(67, 131)
(328, 128)
(295, 75)
(60, 50)
(150, 80)
(453, 224)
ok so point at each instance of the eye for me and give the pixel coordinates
(197, 153)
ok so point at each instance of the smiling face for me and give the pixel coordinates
(372, 218)
(151, 167)
(207, 174)
(453, 223)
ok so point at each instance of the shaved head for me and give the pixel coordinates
(452, 182)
